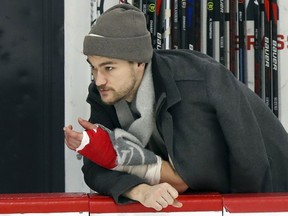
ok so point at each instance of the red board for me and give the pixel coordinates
(199, 202)
(269, 202)
(44, 203)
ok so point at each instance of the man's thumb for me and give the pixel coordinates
(85, 124)
(177, 204)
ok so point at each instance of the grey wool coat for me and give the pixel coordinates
(220, 136)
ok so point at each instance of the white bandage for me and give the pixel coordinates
(150, 172)
(85, 140)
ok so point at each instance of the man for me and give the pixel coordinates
(168, 121)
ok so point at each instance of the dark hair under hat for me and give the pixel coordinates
(121, 33)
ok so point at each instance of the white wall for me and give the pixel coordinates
(283, 62)
(78, 16)
(77, 79)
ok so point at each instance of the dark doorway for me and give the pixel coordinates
(31, 96)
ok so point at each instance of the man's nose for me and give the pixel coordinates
(100, 79)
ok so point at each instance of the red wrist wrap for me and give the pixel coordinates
(100, 149)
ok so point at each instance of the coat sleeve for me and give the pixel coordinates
(108, 182)
(244, 118)
(101, 180)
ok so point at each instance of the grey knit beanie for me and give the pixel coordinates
(121, 33)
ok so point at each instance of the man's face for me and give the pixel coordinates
(115, 79)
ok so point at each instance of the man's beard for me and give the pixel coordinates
(122, 94)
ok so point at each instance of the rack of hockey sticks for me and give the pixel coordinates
(225, 30)
(219, 29)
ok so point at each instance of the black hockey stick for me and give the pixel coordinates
(210, 28)
(267, 48)
(242, 44)
(258, 48)
(175, 25)
(274, 57)
(232, 37)
(222, 58)
(191, 34)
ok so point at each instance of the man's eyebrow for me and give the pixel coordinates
(106, 63)
(102, 64)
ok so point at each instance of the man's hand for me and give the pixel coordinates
(94, 143)
(73, 138)
(157, 197)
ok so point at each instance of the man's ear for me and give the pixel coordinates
(141, 64)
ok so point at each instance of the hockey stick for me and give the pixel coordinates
(210, 28)
(166, 36)
(160, 16)
(183, 18)
(175, 25)
(274, 58)
(197, 17)
(191, 24)
(222, 59)
(242, 44)
(257, 49)
(232, 37)
(267, 46)
(151, 20)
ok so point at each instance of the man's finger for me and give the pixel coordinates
(173, 192)
(177, 204)
(68, 127)
(74, 135)
(85, 124)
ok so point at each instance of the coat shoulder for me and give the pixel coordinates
(184, 64)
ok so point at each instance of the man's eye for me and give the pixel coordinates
(109, 68)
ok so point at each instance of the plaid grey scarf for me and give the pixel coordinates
(132, 139)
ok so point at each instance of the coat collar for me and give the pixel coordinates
(164, 85)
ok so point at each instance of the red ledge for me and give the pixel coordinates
(262, 202)
(191, 202)
(44, 203)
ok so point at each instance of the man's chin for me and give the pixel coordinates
(109, 102)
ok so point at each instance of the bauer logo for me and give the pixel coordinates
(184, 4)
(210, 6)
(151, 8)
